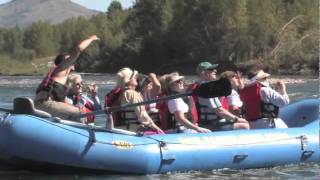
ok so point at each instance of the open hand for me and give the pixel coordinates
(94, 37)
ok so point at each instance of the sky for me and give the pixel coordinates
(99, 5)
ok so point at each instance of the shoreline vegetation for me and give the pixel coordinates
(110, 79)
(166, 36)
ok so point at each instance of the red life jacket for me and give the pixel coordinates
(88, 108)
(194, 111)
(111, 99)
(224, 102)
(202, 118)
(167, 120)
(254, 107)
(164, 115)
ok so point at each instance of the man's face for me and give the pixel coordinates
(210, 74)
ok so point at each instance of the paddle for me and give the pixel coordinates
(221, 87)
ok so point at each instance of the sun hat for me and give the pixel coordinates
(173, 77)
(205, 66)
(124, 75)
(259, 76)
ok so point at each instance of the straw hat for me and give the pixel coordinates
(124, 75)
(259, 76)
(173, 77)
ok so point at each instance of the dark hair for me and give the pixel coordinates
(252, 74)
(228, 74)
(60, 58)
(142, 80)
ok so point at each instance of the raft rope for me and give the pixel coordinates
(164, 143)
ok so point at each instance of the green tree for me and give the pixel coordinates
(39, 37)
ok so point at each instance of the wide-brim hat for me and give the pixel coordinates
(125, 75)
(259, 76)
(173, 78)
(205, 66)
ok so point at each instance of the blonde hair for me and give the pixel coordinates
(168, 82)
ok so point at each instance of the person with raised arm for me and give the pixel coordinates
(52, 91)
(261, 102)
(234, 102)
(150, 88)
(134, 119)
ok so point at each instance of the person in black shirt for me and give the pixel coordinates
(51, 93)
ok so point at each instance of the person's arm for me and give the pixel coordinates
(240, 80)
(234, 110)
(271, 96)
(179, 116)
(85, 43)
(221, 112)
(234, 103)
(156, 86)
(143, 117)
(92, 94)
(74, 54)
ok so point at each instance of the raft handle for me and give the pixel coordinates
(239, 157)
(168, 161)
(305, 155)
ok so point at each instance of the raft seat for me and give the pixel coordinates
(25, 105)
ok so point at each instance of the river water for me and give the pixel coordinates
(11, 87)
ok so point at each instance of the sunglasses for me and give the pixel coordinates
(80, 84)
(210, 70)
(179, 81)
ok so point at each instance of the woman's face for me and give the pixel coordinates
(133, 82)
(234, 81)
(177, 86)
(79, 85)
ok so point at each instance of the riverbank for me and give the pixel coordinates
(111, 79)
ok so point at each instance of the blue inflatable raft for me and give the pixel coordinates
(30, 140)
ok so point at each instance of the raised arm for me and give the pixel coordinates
(156, 87)
(85, 43)
(69, 59)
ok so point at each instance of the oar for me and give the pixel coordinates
(221, 87)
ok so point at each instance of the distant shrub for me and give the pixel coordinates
(24, 54)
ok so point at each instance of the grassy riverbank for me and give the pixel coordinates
(11, 66)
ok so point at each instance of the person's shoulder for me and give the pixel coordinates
(129, 91)
(132, 93)
(266, 89)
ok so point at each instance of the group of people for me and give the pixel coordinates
(251, 105)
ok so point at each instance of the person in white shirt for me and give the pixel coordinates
(181, 108)
(235, 104)
(262, 103)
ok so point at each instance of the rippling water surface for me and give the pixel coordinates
(11, 87)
